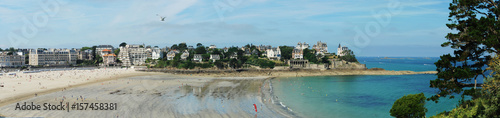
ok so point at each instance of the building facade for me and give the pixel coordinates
(184, 55)
(156, 53)
(14, 60)
(171, 54)
(85, 54)
(297, 54)
(197, 58)
(108, 58)
(133, 55)
(100, 48)
(53, 57)
(340, 50)
(274, 53)
(214, 57)
(302, 46)
(321, 48)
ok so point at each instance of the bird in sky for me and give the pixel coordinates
(162, 18)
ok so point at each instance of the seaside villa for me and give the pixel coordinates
(197, 58)
(108, 58)
(274, 53)
(214, 57)
(340, 50)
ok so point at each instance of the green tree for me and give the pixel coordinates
(409, 106)
(201, 50)
(174, 47)
(324, 59)
(199, 44)
(349, 56)
(310, 55)
(27, 59)
(286, 52)
(1, 49)
(476, 26)
(487, 105)
(219, 64)
(123, 44)
(94, 54)
(182, 46)
(86, 48)
(117, 51)
(98, 59)
(11, 49)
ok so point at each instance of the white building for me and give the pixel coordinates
(53, 57)
(274, 53)
(133, 55)
(212, 47)
(185, 55)
(297, 54)
(108, 57)
(100, 48)
(321, 48)
(124, 57)
(214, 57)
(14, 60)
(171, 54)
(156, 53)
(302, 46)
(340, 50)
(197, 58)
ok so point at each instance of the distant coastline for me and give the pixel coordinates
(283, 73)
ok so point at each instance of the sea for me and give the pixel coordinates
(361, 96)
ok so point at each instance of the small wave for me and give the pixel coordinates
(284, 106)
(281, 103)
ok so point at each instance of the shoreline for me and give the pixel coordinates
(285, 73)
(272, 100)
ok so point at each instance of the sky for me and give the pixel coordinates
(393, 28)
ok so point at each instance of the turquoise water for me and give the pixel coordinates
(360, 96)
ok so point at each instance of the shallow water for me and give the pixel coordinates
(360, 96)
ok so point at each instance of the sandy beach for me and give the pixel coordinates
(18, 85)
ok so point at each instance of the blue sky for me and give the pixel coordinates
(408, 27)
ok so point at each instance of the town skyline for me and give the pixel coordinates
(166, 22)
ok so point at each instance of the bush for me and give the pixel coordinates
(409, 106)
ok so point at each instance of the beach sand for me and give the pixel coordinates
(162, 95)
(25, 85)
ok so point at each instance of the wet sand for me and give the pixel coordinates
(163, 95)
